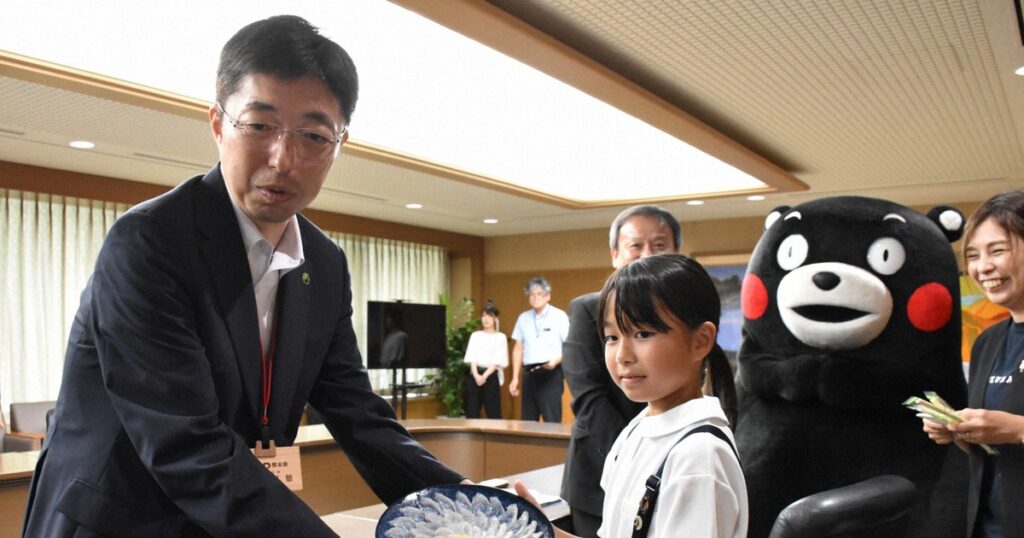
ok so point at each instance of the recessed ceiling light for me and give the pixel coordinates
(414, 206)
(82, 144)
(1020, 71)
(695, 202)
(755, 198)
(490, 221)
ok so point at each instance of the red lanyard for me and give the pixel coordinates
(267, 371)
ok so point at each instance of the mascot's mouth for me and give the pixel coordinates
(829, 313)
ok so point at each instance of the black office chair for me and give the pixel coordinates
(874, 508)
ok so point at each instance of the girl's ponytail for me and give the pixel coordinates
(723, 386)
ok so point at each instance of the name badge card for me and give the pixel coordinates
(283, 461)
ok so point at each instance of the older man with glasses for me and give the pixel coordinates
(214, 314)
(601, 409)
(537, 354)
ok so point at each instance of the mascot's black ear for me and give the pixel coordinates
(776, 213)
(949, 219)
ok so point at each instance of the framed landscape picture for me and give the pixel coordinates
(728, 279)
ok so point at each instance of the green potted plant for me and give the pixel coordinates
(448, 383)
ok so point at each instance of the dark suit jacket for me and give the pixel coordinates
(601, 408)
(988, 348)
(160, 399)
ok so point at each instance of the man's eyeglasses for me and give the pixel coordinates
(312, 142)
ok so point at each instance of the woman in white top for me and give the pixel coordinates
(659, 320)
(487, 356)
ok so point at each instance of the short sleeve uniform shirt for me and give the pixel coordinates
(541, 334)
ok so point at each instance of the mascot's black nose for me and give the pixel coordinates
(825, 280)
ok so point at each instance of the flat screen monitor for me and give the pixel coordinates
(405, 335)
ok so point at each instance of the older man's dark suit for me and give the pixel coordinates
(160, 398)
(600, 407)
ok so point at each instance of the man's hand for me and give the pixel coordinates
(513, 387)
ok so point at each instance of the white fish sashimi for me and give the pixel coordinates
(438, 515)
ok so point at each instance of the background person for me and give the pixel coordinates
(539, 333)
(214, 313)
(393, 348)
(487, 356)
(993, 248)
(600, 407)
(659, 323)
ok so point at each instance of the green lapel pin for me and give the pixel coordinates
(305, 278)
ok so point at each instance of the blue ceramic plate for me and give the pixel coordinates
(457, 510)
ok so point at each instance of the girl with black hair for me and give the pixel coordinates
(673, 471)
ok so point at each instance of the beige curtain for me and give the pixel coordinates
(49, 246)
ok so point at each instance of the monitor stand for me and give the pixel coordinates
(402, 388)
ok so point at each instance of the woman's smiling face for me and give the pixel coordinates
(995, 260)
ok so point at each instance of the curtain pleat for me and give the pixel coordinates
(50, 244)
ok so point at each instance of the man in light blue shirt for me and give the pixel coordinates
(539, 334)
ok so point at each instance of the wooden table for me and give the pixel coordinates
(477, 448)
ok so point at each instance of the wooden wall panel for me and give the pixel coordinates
(507, 455)
(13, 496)
(507, 291)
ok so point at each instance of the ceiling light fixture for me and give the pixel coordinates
(81, 144)
(414, 206)
(695, 202)
(1020, 71)
(490, 221)
(755, 197)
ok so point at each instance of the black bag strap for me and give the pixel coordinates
(644, 514)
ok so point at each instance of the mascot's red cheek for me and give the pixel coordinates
(753, 297)
(930, 307)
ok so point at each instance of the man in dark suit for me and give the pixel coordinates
(215, 312)
(601, 408)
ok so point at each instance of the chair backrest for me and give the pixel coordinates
(874, 508)
(30, 417)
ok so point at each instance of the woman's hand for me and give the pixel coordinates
(479, 379)
(941, 435)
(989, 427)
(938, 432)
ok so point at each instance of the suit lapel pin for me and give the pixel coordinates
(305, 280)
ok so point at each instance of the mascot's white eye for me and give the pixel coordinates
(886, 255)
(792, 252)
